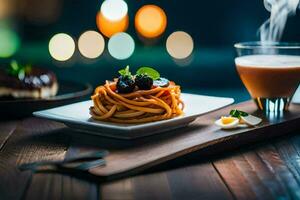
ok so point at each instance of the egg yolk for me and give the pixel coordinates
(227, 120)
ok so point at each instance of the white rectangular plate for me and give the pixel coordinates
(77, 116)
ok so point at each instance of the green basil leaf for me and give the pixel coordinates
(122, 72)
(238, 113)
(14, 68)
(17, 70)
(14, 65)
(148, 71)
(125, 72)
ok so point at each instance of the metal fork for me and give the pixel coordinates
(74, 159)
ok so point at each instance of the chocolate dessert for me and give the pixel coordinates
(27, 82)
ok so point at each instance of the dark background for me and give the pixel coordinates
(211, 23)
(215, 26)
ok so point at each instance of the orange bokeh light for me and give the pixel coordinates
(150, 21)
(108, 27)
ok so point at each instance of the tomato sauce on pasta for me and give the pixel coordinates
(140, 106)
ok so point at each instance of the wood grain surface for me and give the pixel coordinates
(254, 166)
(202, 133)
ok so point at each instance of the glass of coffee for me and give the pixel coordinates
(270, 71)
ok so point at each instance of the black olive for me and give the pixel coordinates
(161, 82)
(125, 84)
(143, 81)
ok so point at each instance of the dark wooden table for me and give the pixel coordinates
(268, 170)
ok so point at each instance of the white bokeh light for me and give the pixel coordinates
(121, 46)
(61, 47)
(114, 10)
(180, 45)
(91, 44)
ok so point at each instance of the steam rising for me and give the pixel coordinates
(272, 29)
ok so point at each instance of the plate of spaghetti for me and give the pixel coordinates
(133, 106)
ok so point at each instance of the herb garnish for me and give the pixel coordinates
(125, 72)
(152, 73)
(238, 113)
(18, 70)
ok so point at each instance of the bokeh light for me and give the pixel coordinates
(121, 46)
(150, 21)
(61, 47)
(114, 10)
(91, 44)
(109, 28)
(9, 42)
(180, 45)
(112, 17)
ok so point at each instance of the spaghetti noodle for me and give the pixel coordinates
(139, 106)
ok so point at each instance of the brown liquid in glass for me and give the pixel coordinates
(270, 82)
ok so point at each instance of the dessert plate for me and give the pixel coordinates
(77, 116)
(69, 92)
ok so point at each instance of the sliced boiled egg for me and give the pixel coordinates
(251, 120)
(227, 122)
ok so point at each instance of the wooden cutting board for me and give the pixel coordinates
(129, 157)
